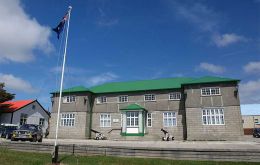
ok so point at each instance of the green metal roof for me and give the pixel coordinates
(210, 79)
(144, 85)
(132, 107)
(167, 83)
(74, 89)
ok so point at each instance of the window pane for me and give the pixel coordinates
(217, 120)
(213, 116)
(67, 119)
(169, 119)
(204, 120)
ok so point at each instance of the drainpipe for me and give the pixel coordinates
(12, 118)
(91, 103)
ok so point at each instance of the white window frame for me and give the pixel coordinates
(67, 119)
(41, 122)
(69, 99)
(133, 119)
(101, 99)
(105, 118)
(23, 118)
(175, 96)
(149, 97)
(169, 116)
(213, 116)
(123, 99)
(210, 91)
(149, 118)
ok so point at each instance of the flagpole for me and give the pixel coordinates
(61, 84)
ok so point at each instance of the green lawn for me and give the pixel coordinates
(8, 157)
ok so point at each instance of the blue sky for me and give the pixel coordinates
(119, 40)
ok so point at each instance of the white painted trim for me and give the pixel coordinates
(210, 108)
(118, 98)
(174, 93)
(210, 88)
(151, 95)
(175, 114)
(101, 124)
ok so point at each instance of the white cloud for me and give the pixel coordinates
(102, 78)
(211, 68)
(252, 67)
(198, 14)
(69, 70)
(206, 20)
(105, 20)
(16, 83)
(249, 92)
(20, 34)
(227, 39)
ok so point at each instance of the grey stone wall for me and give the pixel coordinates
(162, 101)
(81, 108)
(151, 133)
(78, 131)
(162, 104)
(228, 100)
(82, 103)
(231, 130)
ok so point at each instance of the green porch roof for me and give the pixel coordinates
(144, 85)
(74, 89)
(133, 107)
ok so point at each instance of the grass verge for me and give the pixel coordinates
(8, 157)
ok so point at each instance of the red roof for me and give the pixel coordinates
(11, 106)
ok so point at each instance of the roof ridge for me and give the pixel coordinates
(142, 80)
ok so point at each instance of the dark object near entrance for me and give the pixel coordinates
(256, 132)
(29, 132)
(98, 135)
(9, 132)
(167, 136)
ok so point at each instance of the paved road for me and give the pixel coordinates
(246, 142)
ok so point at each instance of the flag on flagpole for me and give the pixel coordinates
(60, 26)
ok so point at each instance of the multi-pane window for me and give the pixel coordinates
(169, 119)
(132, 119)
(149, 97)
(69, 99)
(105, 120)
(213, 116)
(23, 118)
(101, 99)
(210, 91)
(41, 122)
(149, 120)
(175, 96)
(67, 119)
(122, 99)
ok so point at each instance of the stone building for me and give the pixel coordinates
(206, 108)
(250, 122)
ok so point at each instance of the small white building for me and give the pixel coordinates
(24, 112)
